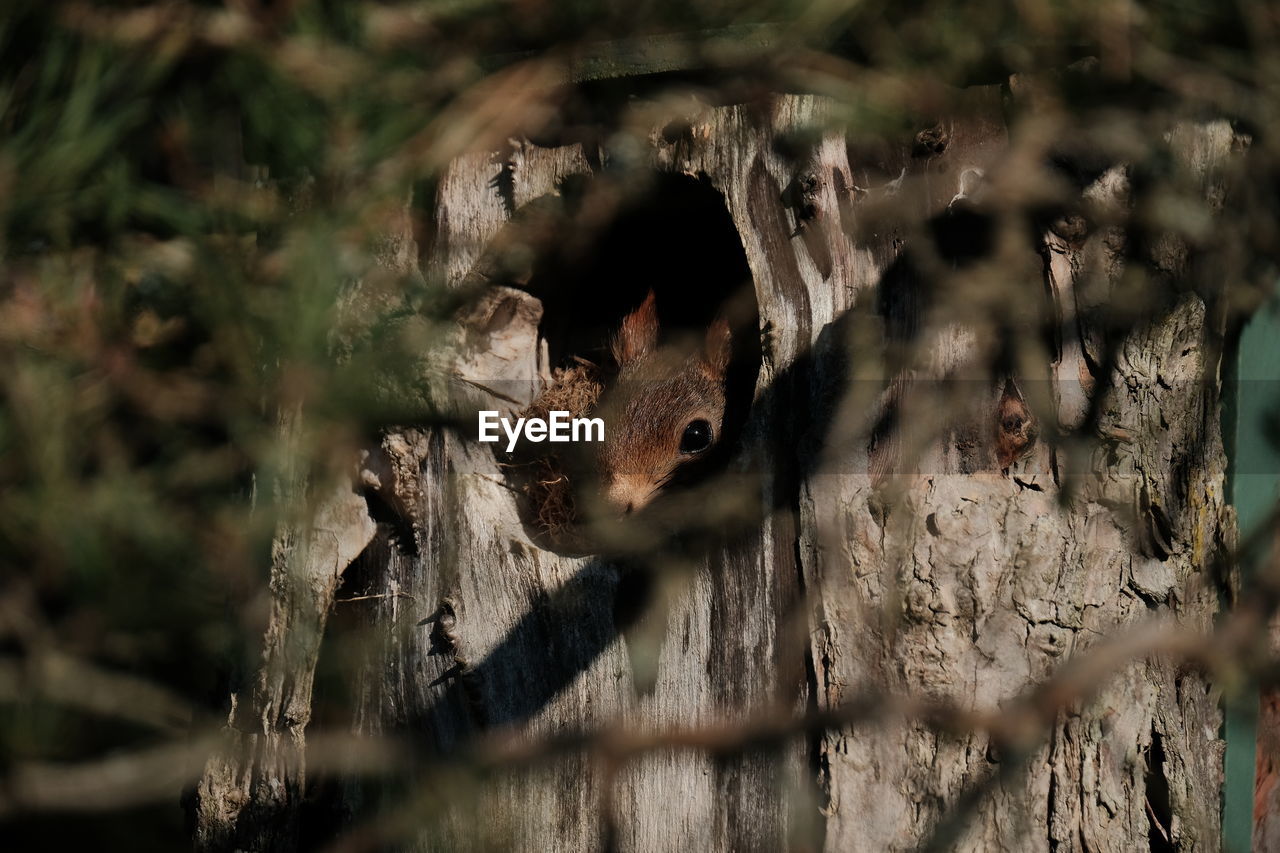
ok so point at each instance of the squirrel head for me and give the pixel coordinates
(664, 413)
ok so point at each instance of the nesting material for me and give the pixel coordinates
(545, 470)
(574, 389)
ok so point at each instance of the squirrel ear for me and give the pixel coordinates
(639, 333)
(719, 348)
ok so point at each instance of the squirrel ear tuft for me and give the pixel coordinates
(639, 333)
(719, 348)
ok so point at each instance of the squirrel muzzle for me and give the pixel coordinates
(627, 493)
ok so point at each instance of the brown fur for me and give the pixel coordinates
(659, 391)
(638, 335)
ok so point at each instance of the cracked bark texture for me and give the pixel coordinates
(924, 567)
(249, 795)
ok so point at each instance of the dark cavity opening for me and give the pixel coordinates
(608, 247)
(675, 238)
(1159, 807)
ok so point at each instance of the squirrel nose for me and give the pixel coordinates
(627, 493)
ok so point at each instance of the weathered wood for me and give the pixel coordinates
(973, 585)
(927, 569)
(535, 632)
(251, 790)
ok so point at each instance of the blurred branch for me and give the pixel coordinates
(155, 774)
(64, 680)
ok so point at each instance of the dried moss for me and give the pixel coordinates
(546, 472)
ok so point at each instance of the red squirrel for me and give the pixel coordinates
(664, 412)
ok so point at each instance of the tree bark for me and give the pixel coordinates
(918, 564)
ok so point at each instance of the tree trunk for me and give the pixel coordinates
(963, 564)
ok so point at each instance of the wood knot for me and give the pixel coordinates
(1071, 227)
(677, 130)
(444, 628)
(802, 196)
(931, 141)
(1016, 429)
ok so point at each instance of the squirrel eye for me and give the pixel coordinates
(697, 437)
